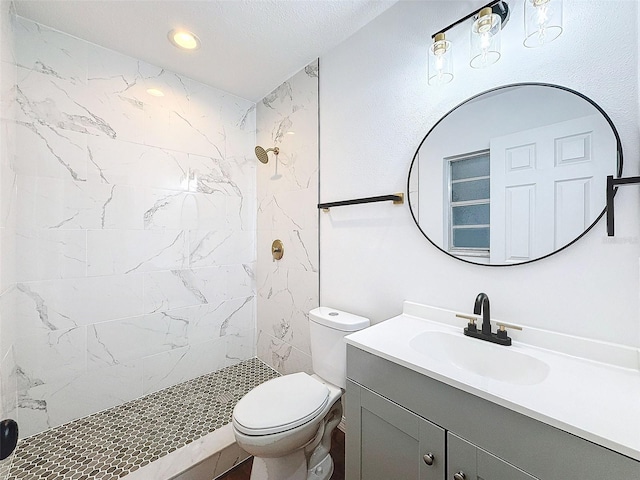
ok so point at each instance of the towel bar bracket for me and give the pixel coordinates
(611, 184)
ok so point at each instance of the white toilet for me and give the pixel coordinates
(286, 423)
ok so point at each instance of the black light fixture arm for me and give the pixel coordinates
(499, 7)
(611, 184)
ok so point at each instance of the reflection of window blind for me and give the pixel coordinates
(469, 203)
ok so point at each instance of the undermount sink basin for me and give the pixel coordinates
(481, 357)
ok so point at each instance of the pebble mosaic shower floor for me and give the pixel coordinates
(112, 443)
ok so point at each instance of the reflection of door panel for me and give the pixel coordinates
(520, 204)
(542, 190)
(572, 208)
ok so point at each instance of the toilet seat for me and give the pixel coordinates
(280, 404)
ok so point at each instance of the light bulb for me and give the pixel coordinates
(542, 22)
(440, 61)
(485, 39)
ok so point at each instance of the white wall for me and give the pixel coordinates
(287, 199)
(135, 227)
(375, 109)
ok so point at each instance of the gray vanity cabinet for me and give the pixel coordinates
(395, 416)
(395, 443)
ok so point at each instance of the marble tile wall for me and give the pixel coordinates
(135, 228)
(8, 379)
(287, 210)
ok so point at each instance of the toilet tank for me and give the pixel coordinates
(328, 327)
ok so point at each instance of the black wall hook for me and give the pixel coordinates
(8, 437)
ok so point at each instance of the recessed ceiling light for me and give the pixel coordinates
(184, 39)
(155, 92)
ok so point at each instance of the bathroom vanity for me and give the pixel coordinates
(416, 412)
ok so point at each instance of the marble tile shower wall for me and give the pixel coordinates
(135, 248)
(287, 210)
(8, 388)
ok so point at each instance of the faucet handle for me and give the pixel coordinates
(502, 331)
(503, 326)
(472, 318)
(472, 321)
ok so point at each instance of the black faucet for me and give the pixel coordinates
(481, 307)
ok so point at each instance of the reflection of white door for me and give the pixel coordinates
(547, 186)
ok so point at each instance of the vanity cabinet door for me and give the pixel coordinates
(468, 462)
(386, 441)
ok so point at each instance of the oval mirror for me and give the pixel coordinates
(514, 174)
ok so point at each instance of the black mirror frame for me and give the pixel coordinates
(604, 210)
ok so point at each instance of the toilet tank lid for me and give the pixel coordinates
(337, 319)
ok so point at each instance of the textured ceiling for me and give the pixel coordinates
(248, 46)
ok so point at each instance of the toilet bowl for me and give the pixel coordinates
(286, 423)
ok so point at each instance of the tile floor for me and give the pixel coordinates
(112, 443)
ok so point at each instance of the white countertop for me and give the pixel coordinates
(592, 389)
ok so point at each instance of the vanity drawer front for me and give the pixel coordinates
(386, 441)
(477, 464)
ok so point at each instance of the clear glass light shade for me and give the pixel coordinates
(485, 39)
(440, 61)
(542, 21)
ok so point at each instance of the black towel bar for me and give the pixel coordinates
(396, 198)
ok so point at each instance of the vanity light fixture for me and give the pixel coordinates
(485, 41)
(184, 39)
(440, 61)
(542, 21)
